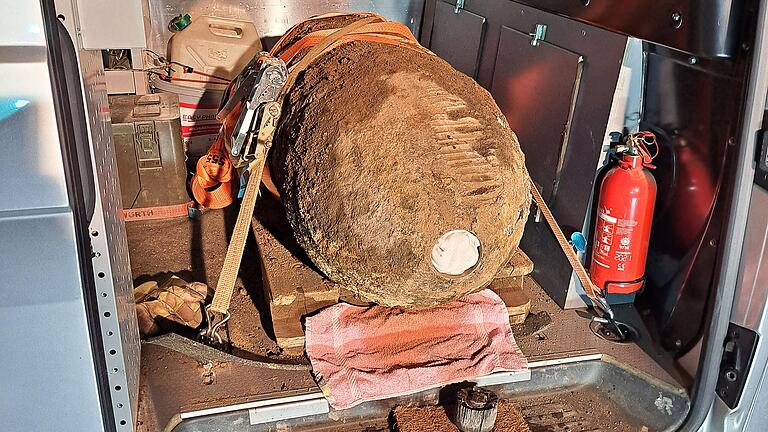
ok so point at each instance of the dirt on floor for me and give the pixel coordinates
(566, 333)
(194, 249)
(575, 410)
(172, 381)
(436, 418)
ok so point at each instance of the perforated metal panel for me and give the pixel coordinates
(111, 265)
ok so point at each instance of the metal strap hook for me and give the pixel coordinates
(210, 333)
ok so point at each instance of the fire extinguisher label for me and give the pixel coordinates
(613, 241)
(606, 226)
(623, 254)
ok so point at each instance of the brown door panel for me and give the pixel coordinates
(535, 87)
(457, 37)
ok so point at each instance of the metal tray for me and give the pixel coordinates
(591, 393)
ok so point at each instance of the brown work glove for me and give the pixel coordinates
(160, 308)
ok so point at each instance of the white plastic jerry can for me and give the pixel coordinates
(214, 46)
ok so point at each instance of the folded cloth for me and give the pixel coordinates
(367, 353)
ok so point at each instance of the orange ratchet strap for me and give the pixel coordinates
(159, 212)
(212, 183)
(391, 33)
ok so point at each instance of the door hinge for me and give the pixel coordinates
(738, 349)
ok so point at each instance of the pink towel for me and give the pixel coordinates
(367, 353)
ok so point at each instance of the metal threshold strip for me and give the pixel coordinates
(291, 407)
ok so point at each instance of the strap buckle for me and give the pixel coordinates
(262, 86)
(240, 87)
(210, 335)
(606, 315)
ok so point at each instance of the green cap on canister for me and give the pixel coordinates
(179, 23)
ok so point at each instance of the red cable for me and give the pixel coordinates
(170, 78)
(190, 69)
(209, 75)
(196, 81)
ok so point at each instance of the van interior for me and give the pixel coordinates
(573, 79)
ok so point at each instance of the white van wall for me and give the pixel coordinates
(273, 17)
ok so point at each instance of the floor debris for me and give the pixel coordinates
(534, 324)
(435, 419)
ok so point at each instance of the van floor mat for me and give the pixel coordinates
(435, 418)
(194, 249)
(565, 333)
(585, 396)
(548, 415)
(597, 396)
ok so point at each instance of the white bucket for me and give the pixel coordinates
(197, 107)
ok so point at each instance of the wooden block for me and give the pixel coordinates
(518, 265)
(352, 298)
(292, 288)
(293, 345)
(510, 290)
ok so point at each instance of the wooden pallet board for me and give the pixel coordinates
(518, 265)
(293, 290)
(511, 283)
(511, 290)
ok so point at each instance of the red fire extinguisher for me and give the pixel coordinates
(623, 220)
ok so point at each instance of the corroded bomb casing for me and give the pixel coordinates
(400, 176)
